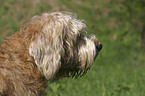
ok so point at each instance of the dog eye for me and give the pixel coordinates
(80, 40)
(84, 32)
(81, 35)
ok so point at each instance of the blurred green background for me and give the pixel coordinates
(119, 25)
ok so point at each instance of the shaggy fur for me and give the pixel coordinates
(48, 47)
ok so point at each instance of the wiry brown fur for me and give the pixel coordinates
(19, 75)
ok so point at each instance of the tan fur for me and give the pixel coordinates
(18, 72)
(32, 56)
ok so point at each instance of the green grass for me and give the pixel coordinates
(119, 69)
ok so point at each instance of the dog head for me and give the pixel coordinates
(59, 46)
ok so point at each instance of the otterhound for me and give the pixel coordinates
(47, 48)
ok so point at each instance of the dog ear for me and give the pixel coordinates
(46, 46)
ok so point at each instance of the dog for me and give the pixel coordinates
(49, 47)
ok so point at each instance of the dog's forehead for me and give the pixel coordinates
(63, 23)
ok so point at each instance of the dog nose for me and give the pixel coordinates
(99, 46)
